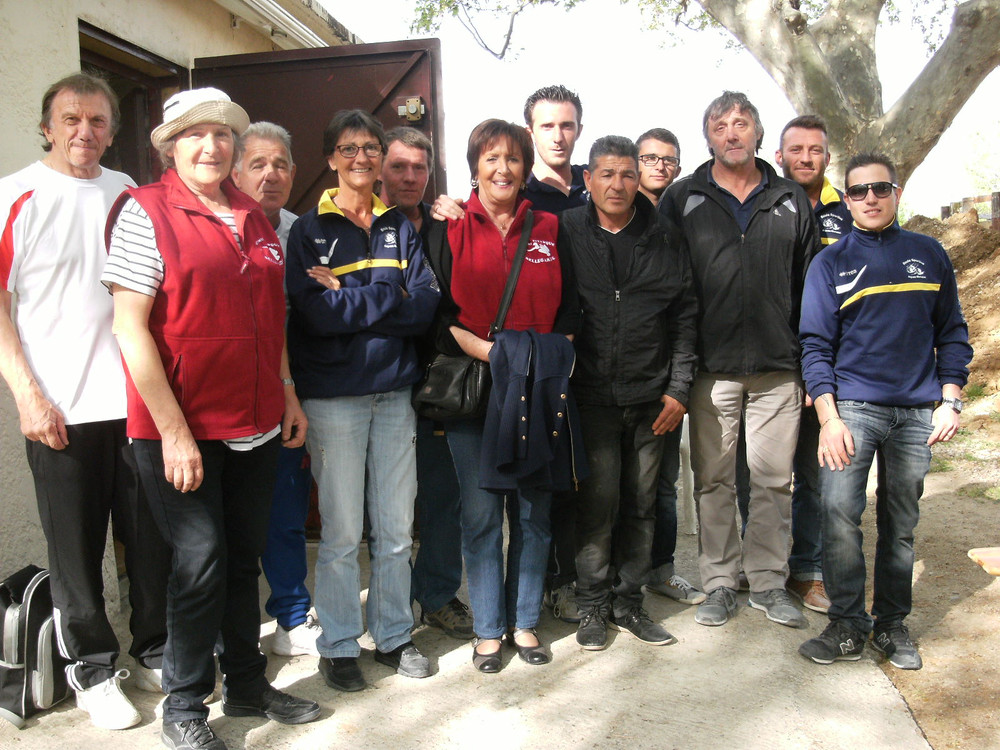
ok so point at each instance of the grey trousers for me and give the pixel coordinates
(771, 404)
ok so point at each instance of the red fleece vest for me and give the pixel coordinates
(218, 317)
(481, 260)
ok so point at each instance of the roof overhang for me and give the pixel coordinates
(291, 24)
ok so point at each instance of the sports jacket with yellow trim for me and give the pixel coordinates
(881, 321)
(360, 338)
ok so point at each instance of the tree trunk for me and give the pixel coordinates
(827, 67)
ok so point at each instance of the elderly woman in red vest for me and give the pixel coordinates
(196, 271)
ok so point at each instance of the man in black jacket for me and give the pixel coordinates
(751, 235)
(635, 363)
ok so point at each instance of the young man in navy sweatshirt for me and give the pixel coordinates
(885, 355)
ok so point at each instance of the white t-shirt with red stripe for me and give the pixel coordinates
(52, 255)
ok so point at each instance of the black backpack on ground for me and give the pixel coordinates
(32, 673)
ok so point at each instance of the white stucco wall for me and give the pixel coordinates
(39, 46)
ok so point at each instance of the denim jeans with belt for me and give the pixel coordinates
(499, 602)
(437, 570)
(900, 434)
(363, 454)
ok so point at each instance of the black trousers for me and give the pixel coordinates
(78, 489)
(218, 533)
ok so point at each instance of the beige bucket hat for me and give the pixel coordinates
(187, 108)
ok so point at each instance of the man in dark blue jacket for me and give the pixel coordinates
(751, 236)
(883, 341)
(635, 363)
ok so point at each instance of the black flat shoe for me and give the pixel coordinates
(534, 655)
(489, 663)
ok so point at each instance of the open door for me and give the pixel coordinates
(398, 82)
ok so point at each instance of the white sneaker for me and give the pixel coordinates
(107, 705)
(148, 680)
(299, 641)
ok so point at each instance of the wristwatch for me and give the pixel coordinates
(954, 403)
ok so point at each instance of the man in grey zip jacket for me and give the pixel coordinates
(751, 235)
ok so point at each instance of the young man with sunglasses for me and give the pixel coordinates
(885, 355)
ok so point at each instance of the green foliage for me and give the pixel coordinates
(940, 464)
(974, 391)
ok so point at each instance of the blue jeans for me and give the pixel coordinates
(806, 560)
(616, 508)
(363, 454)
(499, 602)
(437, 571)
(900, 434)
(217, 533)
(665, 529)
(284, 560)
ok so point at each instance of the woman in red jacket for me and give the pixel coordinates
(196, 271)
(472, 267)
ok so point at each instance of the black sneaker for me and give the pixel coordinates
(592, 632)
(194, 734)
(637, 622)
(893, 640)
(838, 642)
(406, 660)
(275, 705)
(342, 673)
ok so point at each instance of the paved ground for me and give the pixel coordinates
(739, 686)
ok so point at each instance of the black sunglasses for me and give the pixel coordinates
(860, 191)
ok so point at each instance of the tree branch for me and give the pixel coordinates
(969, 53)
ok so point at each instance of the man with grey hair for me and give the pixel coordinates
(635, 364)
(64, 370)
(751, 236)
(437, 569)
(265, 170)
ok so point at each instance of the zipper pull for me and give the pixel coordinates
(246, 265)
(618, 296)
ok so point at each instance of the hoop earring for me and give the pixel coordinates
(474, 182)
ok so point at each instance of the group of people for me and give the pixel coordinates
(612, 302)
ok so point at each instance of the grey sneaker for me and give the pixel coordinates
(454, 618)
(778, 606)
(893, 640)
(563, 603)
(406, 660)
(678, 589)
(838, 642)
(717, 608)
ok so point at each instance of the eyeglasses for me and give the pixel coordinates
(650, 160)
(349, 150)
(860, 191)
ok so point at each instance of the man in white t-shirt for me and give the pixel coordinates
(64, 369)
